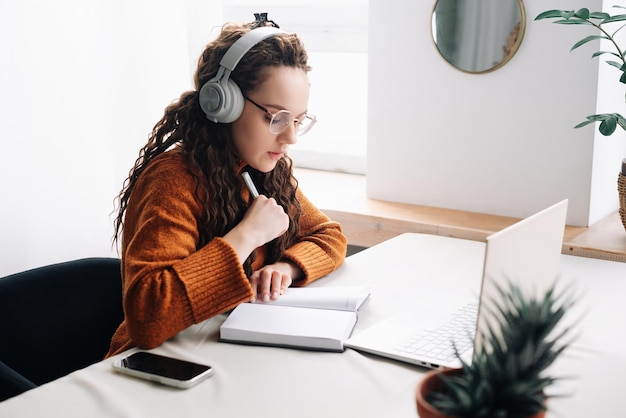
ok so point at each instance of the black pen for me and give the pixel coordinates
(248, 180)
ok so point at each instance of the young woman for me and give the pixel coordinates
(194, 242)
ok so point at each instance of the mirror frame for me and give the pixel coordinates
(513, 49)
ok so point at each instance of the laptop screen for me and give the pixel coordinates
(527, 253)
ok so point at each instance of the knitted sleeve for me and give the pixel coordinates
(169, 284)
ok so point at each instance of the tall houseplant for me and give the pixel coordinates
(507, 376)
(601, 21)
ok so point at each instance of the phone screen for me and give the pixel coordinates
(167, 367)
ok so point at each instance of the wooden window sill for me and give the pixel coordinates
(367, 222)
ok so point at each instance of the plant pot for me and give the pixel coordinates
(621, 188)
(432, 382)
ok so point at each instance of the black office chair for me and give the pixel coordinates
(56, 319)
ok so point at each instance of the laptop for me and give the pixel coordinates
(527, 253)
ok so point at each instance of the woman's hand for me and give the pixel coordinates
(272, 280)
(266, 219)
(263, 221)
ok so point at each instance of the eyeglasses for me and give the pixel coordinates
(283, 118)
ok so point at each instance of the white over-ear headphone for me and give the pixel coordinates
(220, 97)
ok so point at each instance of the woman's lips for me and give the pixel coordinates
(275, 155)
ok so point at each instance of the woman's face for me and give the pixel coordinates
(285, 88)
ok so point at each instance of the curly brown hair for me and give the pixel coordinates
(208, 147)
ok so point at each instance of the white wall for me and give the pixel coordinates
(82, 82)
(500, 143)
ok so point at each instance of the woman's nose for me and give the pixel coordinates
(288, 136)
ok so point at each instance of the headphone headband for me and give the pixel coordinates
(237, 50)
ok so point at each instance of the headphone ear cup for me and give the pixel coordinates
(233, 103)
(222, 102)
(211, 98)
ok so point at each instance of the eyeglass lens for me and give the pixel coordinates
(281, 120)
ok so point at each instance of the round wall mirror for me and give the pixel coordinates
(478, 36)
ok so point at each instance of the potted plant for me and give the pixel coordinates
(601, 21)
(507, 375)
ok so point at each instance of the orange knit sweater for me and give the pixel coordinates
(169, 284)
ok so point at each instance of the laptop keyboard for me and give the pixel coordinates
(439, 343)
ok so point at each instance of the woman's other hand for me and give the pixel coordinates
(271, 281)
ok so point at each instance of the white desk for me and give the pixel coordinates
(430, 271)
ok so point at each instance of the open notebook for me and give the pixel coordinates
(527, 253)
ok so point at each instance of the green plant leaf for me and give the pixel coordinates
(582, 13)
(596, 118)
(588, 39)
(607, 126)
(616, 18)
(616, 65)
(592, 119)
(567, 14)
(597, 54)
(572, 22)
(550, 14)
(585, 123)
(599, 15)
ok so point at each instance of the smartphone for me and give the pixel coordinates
(161, 369)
